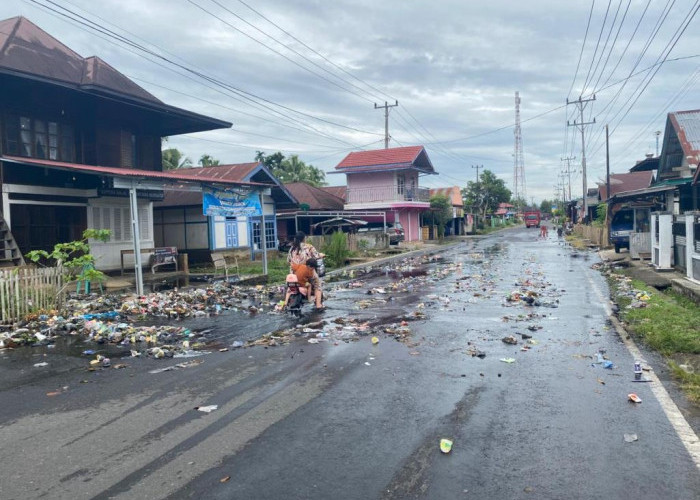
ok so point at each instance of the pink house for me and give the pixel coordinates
(387, 180)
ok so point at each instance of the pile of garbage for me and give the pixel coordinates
(112, 318)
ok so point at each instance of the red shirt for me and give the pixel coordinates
(304, 274)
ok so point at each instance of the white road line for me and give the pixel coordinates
(673, 414)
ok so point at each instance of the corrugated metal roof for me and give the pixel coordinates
(132, 173)
(26, 48)
(28, 52)
(689, 133)
(231, 172)
(315, 198)
(620, 183)
(338, 191)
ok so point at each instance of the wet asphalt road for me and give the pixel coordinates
(352, 420)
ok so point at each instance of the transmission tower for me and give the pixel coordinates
(519, 190)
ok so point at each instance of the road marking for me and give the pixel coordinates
(673, 414)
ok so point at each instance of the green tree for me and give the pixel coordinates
(546, 207)
(174, 159)
(440, 212)
(292, 169)
(74, 257)
(483, 197)
(208, 161)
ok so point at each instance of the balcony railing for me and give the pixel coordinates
(386, 193)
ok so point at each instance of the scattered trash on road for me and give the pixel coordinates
(207, 409)
(507, 360)
(630, 438)
(445, 445)
(634, 398)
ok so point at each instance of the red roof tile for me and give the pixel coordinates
(382, 159)
(453, 194)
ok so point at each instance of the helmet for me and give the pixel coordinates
(292, 278)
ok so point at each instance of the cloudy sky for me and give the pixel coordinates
(302, 76)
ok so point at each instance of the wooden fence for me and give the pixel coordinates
(23, 290)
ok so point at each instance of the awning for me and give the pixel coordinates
(338, 222)
(641, 192)
(168, 177)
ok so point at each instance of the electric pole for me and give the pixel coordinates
(581, 125)
(386, 120)
(657, 134)
(478, 191)
(568, 171)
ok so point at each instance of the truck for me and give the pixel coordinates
(621, 227)
(532, 218)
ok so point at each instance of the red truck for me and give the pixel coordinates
(533, 218)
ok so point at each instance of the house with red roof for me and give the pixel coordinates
(179, 221)
(74, 132)
(461, 222)
(388, 180)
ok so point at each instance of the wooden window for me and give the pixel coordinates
(36, 138)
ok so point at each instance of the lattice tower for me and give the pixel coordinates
(519, 191)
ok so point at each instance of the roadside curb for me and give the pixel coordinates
(685, 432)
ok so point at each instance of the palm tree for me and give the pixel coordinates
(174, 159)
(208, 161)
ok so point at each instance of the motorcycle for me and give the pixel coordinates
(297, 295)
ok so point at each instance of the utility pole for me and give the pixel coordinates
(568, 171)
(581, 125)
(657, 134)
(386, 120)
(478, 191)
(607, 163)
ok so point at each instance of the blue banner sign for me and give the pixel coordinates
(219, 202)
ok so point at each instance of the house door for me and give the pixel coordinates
(231, 233)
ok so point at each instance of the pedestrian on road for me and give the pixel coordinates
(301, 252)
(543, 231)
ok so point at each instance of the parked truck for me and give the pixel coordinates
(532, 218)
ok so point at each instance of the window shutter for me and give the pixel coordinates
(96, 221)
(144, 227)
(126, 219)
(117, 232)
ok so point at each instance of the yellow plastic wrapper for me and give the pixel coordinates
(445, 445)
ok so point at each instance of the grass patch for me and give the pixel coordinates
(670, 323)
(277, 269)
(689, 382)
(576, 241)
(667, 324)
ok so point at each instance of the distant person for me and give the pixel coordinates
(301, 251)
(560, 232)
(543, 231)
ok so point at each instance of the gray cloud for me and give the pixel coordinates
(453, 65)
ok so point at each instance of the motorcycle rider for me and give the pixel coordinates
(308, 278)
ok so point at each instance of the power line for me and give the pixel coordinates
(595, 52)
(266, 103)
(583, 46)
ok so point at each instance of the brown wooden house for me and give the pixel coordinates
(64, 120)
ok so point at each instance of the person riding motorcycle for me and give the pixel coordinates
(308, 278)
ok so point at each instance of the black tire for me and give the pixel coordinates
(617, 248)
